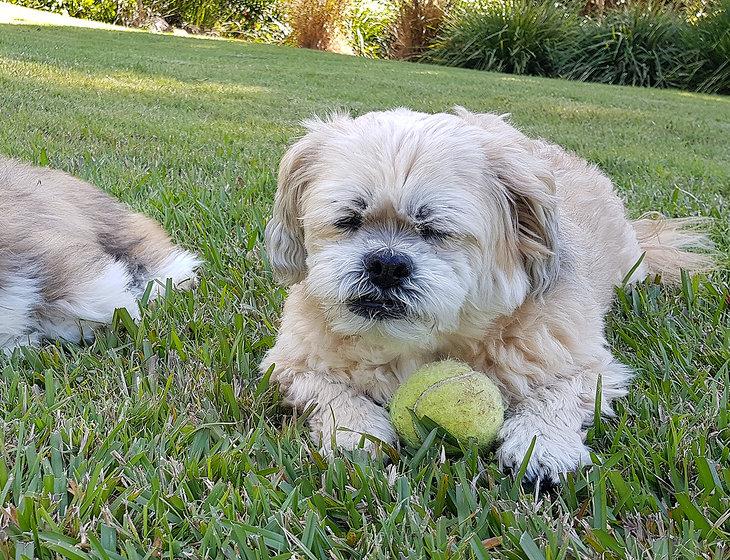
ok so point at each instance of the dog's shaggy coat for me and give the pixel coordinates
(70, 255)
(507, 251)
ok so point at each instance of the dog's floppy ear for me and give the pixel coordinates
(530, 196)
(284, 234)
(533, 211)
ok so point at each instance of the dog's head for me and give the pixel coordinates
(406, 225)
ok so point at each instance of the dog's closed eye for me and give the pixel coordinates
(353, 217)
(428, 226)
(349, 222)
(431, 233)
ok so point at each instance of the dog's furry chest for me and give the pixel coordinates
(378, 370)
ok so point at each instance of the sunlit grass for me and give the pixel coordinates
(162, 440)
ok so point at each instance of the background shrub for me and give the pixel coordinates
(263, 21)
(514, 36)
(98, 10)
(250, 19)
(319, 24)
(200, 14)
(709, 41)
(259, 20)
(416, 25)
(635, 46)
(371, 27)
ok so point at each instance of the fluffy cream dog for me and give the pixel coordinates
(408, 237)
(70, 255)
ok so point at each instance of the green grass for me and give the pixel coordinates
(162, 440)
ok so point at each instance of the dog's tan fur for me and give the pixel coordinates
(70, 254)
(519, 291)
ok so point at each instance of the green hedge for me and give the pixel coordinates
(640, 45)
(513, 36)
(98, 10)
(709, 40)
(632, 47)
(259, 20)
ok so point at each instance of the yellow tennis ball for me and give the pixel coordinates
(464, 402)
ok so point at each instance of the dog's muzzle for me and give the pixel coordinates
(386, 271)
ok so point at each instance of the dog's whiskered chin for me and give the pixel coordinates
(380, 309)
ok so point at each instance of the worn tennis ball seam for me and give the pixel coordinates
(439, 384)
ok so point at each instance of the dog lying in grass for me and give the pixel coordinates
(70, 255)
(408, 237)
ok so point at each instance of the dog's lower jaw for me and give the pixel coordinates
(377, 310)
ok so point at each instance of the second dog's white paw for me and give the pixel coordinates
(556, 451)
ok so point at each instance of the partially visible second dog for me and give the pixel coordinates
(70, 255)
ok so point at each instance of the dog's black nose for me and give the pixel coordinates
(386, 269)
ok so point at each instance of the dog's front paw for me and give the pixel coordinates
(348, 440)
(555, 452)
(351, 435)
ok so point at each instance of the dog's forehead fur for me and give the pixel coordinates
(395, 165)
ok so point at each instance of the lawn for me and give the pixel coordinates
(162, 440)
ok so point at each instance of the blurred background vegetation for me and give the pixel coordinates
(681, 44)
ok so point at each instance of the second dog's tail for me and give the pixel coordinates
(670, 245)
